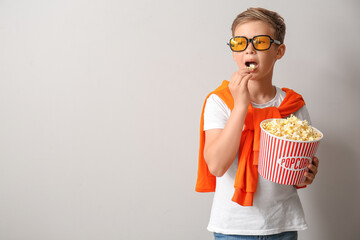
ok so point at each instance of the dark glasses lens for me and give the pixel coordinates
(238, 44)
(261, 42)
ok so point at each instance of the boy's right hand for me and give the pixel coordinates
(239, 88)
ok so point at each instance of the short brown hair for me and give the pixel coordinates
(262, 14)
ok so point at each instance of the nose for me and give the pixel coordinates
(250, 48)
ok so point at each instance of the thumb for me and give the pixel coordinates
(245, 81)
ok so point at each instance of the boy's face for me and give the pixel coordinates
(264, 60)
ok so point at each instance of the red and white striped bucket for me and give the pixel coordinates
(284, 161)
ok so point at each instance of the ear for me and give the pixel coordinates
(280, 51)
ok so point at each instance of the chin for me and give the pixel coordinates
(255, 79)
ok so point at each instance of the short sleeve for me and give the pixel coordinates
(216, 113)
(303, 114)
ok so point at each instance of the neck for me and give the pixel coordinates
(261, 91)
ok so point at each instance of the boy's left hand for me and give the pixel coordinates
(311, 172)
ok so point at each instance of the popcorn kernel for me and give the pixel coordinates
(251, 66)
(291, 128)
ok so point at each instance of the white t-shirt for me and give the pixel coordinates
(276, 208)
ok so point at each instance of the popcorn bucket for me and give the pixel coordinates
(285, 161)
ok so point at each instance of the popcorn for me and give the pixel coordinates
(251, 66)
(292, 128)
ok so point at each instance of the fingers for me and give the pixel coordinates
(313, 167)
(235, 79)
(244, 82)
(312, 171)
(248, 70)
(239, 90)
(316, 161)
(239, 84)
(309, 178)
(238, 77)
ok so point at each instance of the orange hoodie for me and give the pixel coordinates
(246, 175)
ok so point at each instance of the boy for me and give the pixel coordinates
(229, 137)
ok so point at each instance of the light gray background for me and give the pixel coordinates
(100, 106)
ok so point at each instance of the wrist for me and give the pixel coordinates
(299, 186)
(239, 107)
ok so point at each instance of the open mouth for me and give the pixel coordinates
(251, 65)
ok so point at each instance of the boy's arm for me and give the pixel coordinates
(222, 145)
